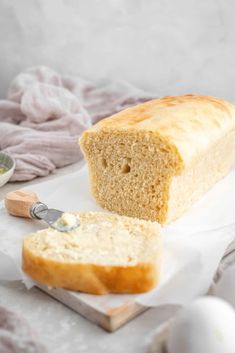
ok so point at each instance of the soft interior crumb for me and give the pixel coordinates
(101, 238)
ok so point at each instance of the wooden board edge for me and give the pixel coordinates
(110, 320)
(125, 315)
(78, 306)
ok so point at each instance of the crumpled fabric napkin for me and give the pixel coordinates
(45, 113)
(16, 336)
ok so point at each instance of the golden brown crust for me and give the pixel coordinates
(189, 123)
(91, 278)
(135, 115)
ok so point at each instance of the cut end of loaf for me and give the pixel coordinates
(107, 253)
(154, 160)
(130, 171)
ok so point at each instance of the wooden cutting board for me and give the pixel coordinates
(101, 314)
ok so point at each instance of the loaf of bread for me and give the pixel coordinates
(153, 161)
(107, 253)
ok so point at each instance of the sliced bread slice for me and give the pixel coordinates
(107, 253)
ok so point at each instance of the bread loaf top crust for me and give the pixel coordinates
(189, 123)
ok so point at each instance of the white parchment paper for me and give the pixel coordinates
(194, 245)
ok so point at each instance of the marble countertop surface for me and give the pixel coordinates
(63, 330)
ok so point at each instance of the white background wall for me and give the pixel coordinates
(168, 46)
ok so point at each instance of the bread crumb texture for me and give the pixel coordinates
(154, 160)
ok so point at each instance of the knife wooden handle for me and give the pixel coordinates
(19, 202)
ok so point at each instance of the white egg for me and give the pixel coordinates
(225, 287)
(205, 326)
